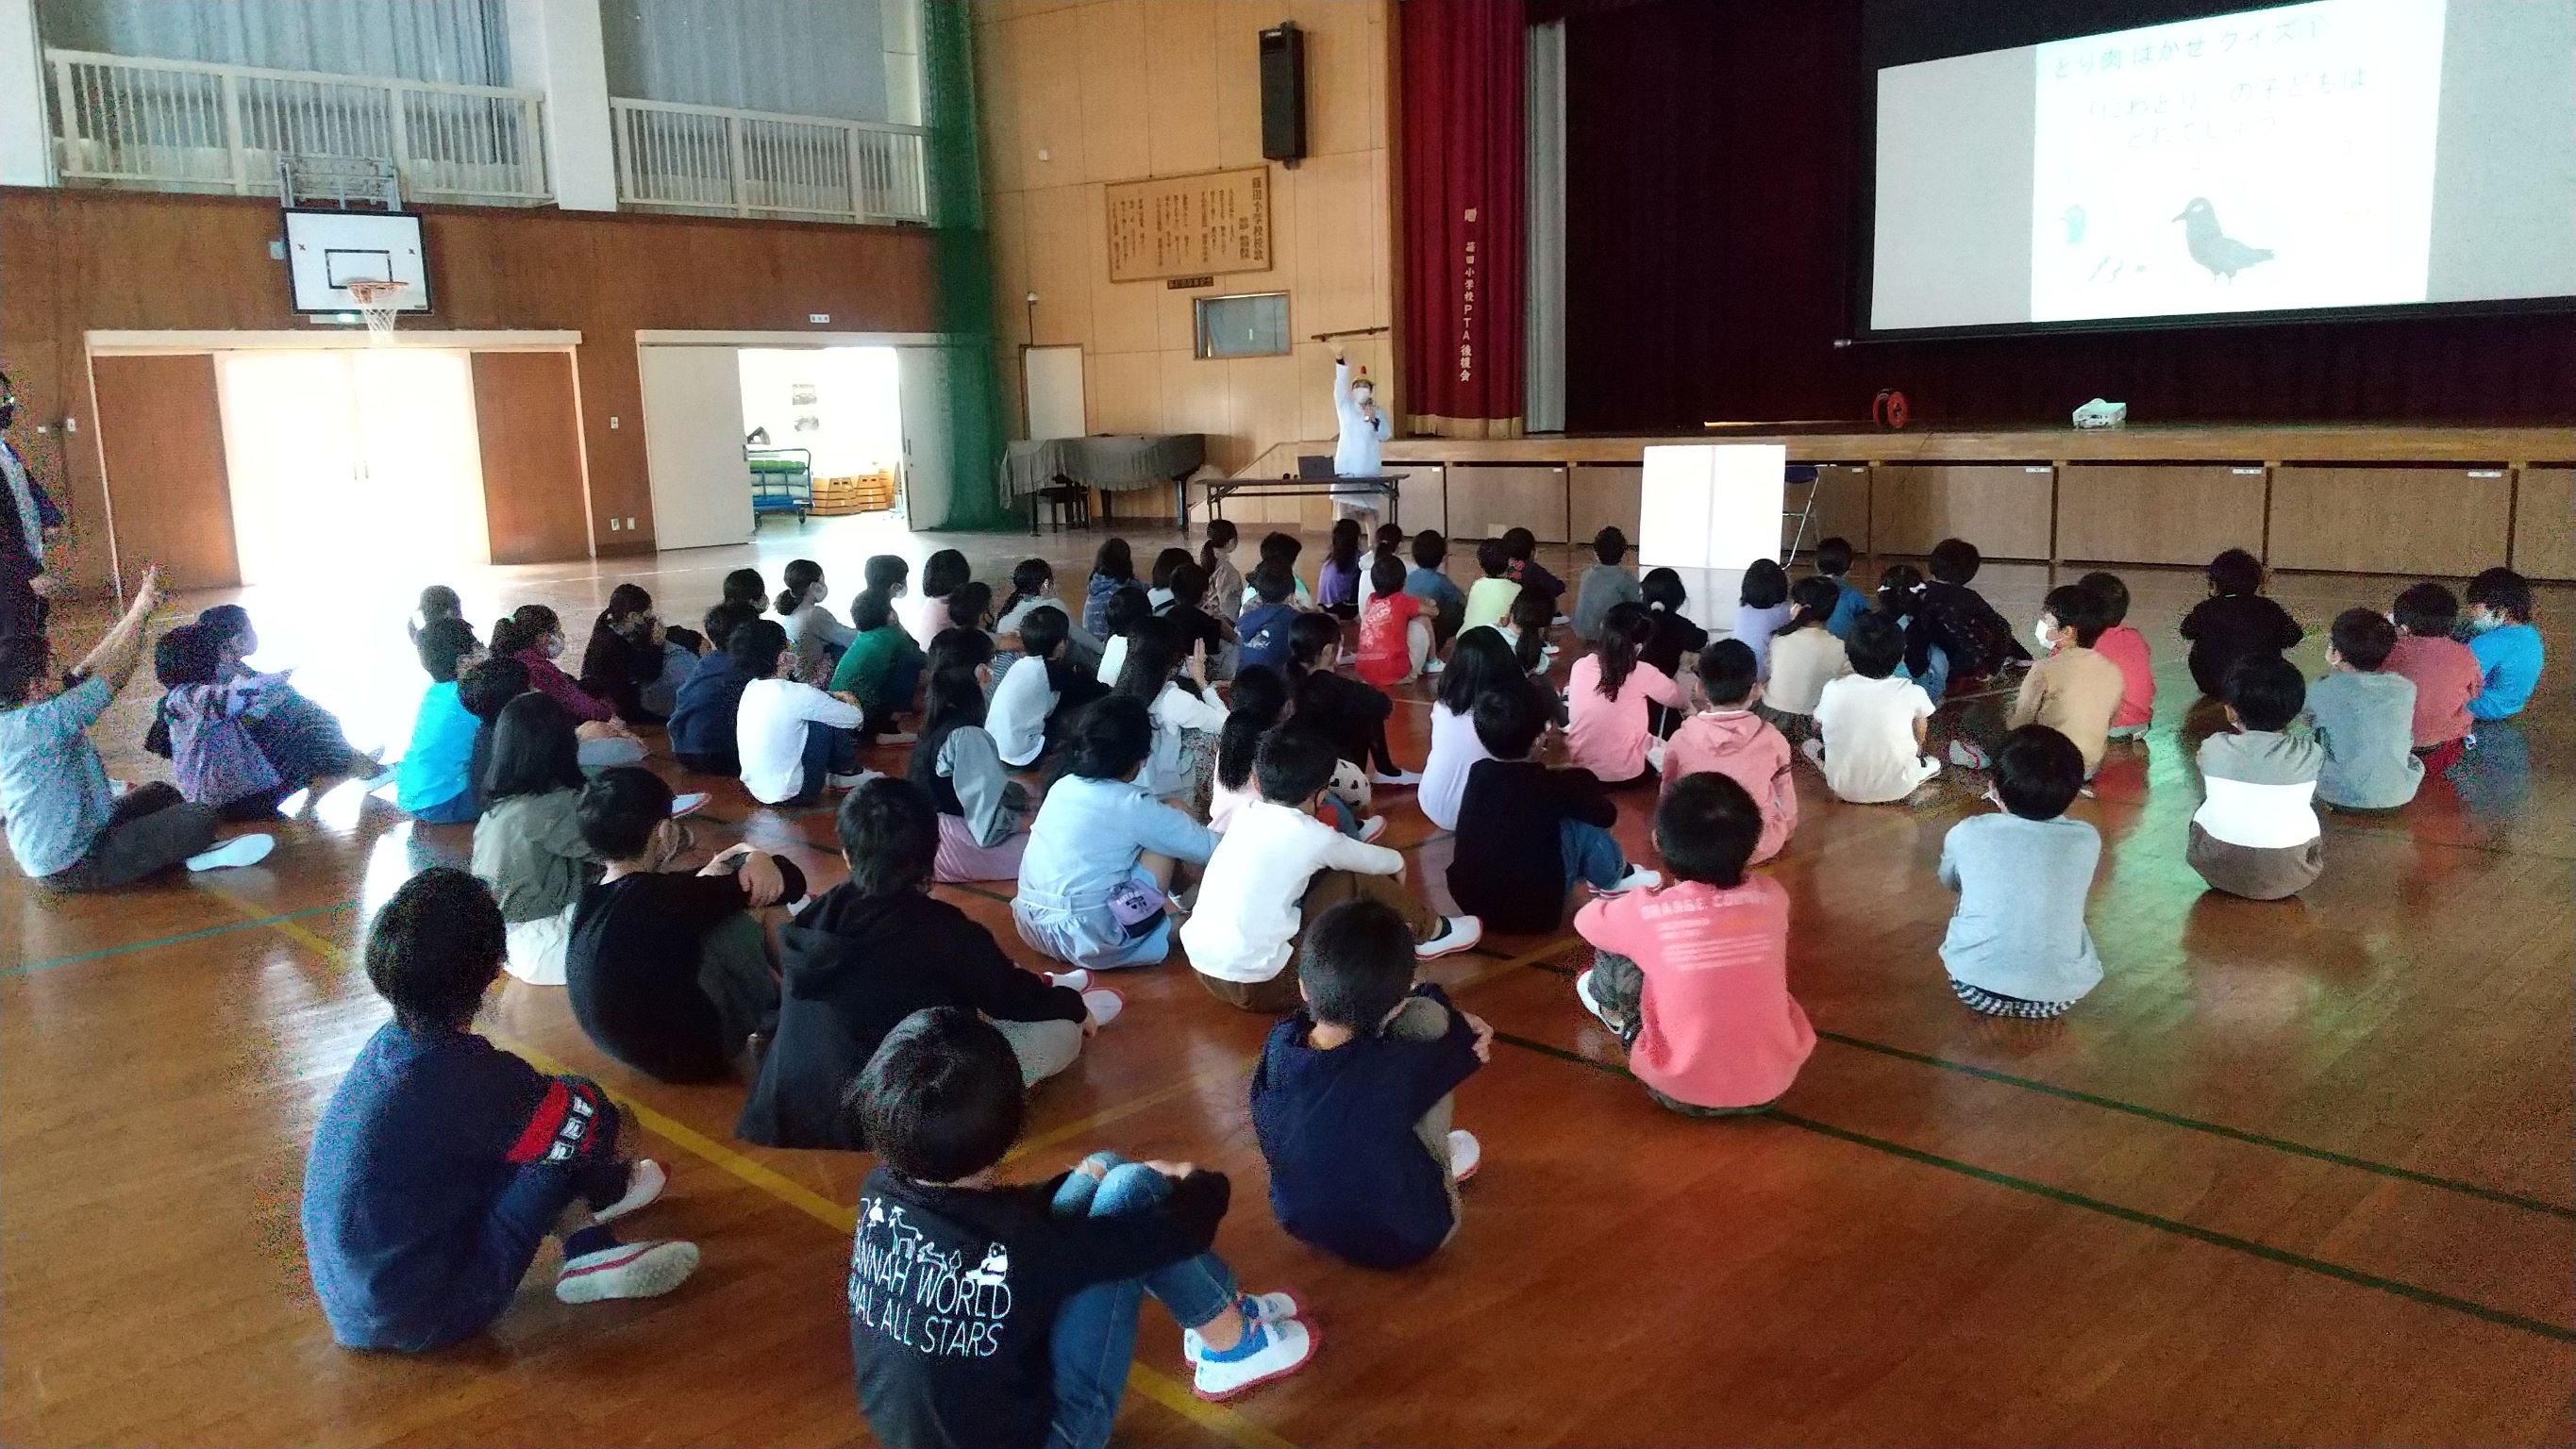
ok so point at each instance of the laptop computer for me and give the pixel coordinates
(1314, 467)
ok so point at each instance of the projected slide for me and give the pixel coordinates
(2339, 153)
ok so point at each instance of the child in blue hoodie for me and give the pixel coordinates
(2507, 645)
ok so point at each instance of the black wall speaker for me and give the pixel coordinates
(1283, 93)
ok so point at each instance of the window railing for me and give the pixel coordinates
(179, 125)
(715, 161)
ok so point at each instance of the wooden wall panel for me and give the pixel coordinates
(1842, 508)
(1425, 501)
(162, 428)
(2437, 521)
(534, 497)
(2544, 523)
(1483, 502)
(2002, 508)
(1599, 496)
(2151, 514)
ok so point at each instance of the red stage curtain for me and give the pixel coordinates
(1463, 164)
(1713, 156)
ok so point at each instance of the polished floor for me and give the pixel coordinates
(2295, 1173)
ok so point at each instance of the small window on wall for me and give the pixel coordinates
(1248, 326)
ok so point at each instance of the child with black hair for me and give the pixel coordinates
(301, 741)
(1389, 544)
(533, 635)
(2444, 671)
(1353, 1096)
(670, 971)
(1526, 571)
(794, 741)
(435, 781)
(2508, 648)
(1279, 553)
(2364, 717)
(2256, 833)
(1125, 612)
(970, 606)
(1186, 713)
(744, 586)
(1693, 977)
(1806, 655)
(1762, 608)
(1278, 868)
(1045, 688)
(485, 690)
(1480, 663)
(1833, 565)
(1269, 613)
(1870, 725)
(702, 713)
(881, 670)
(1526, 631)
(1350, 714)
(1395, 640)
(1949, 618)
(2235, 622)
(1104, 854)
(2127, 649)
(1200, 630)
(1674, 639)
(1225, 581)
(2018, 945)
(437, 602)
(942, 575)
(631, 661)
(1604, 585)
(1489, 599)
(527, 845)
(1606, 697)
(1037, 1349)
(1158, 583)
(1731, 737)
(1113, 567)
(1527, 834)
(204, 726)
(1337, 579)
(983, 813)
(879, 947)
(1428, 580)
(442, 1163)
(1259, 702)
(2075, 690)
(817, 637)
(1033, 588)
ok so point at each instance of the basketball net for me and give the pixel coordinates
(381, 304)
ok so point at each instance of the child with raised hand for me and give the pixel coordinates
(2364, 716)
(1479, 664)
(1806, 654)
(1870, 725)
(1353, 1098)
(1606, 584)
(1675, 637)
(702, 714)
(1350, 714)
(1833, 565)
(1489, 599)
(2126, 648)
(1037, 1352)
(881, 670)
(1395, 640)
(2235, 622)
(435, 781)
(1103, 854)
(442, 1163)
(1225, 581)
(1762, 608)
(2018, 945)
(2256, 833)
(817, 637)
(2444, 671)
(1954, 620)
(1694, 976)
(1527, 834)
(878, 947)
(1606, 694)
(1730, 737)
(1113, 567)
(2507, 646)
(1337, 580)
(2075, 691)
(1126, 610)
(1279, 867)
(1444, 603)
(983, 814)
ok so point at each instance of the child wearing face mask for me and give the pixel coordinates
(534, 636)
(2075, 689)
(2507, 646)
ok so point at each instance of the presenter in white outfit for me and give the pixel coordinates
(1364, 430)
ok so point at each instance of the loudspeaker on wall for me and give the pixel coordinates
(1283, 93)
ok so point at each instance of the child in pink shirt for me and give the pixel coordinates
(1605, 699)
(1694, 976)
(2127, 648)
(1395, 640)
(1731, 740)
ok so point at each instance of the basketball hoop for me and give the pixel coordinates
(381, 303)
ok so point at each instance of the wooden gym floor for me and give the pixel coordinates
(2295, 1173)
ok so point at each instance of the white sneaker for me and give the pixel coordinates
(1592, 1003)
(1400, 777)
(1269, 1350)
(690, 803)
(1638, 878)
(1105, 1005)
(1078, 978)
(1268, 1307)
(1432, 666)
(849, 782)
(1814, 750)
(239, 851)
(1372, 828)
(629, 1270)
(1466, 1154)
(1549, 651)
(896, 737)
(1457, 933)
(644, 1182)
(1967, 756)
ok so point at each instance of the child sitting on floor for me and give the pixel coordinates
(1225, 581)
(1606, 694)
(260, 720)
(2017, 945)
(2235, 622)
(1186, 713)
(2127, 648)
(1350, 714)
(1126, 611)
(1731, 738)
(1605, 585)
(670, 971)
(1489, 599)
(1527, 572)
(1443, 602)
(1259, 702)
(631, 661)
(1870, 725)
(1973, 641)
(2444, 671)
(1694, 977)
(2256, 833)
(1395, 640)
(528, 846)
(2508, 647)
(1833, 565)
(1526, 632)
(1806, 654)
(942, 575)
(794, 740)
(1033, 588)
(1675, 638)
(1267, 620)
(435, 780)
(1042, 690)
(1038, 1351)
(881, 670)
(1279, 553)
(441, 1163)
(703, 712)
(983, 814)
(1278, 868)
(1527, 835)
(879, 947)
(2075, 691)
(1762, 608)
(1104, 856)
(1199, 629)
(1353, 1098)
(1479, 664)
(1337, 579)
(1389, 545)
(1113, 567)
(817, 637)
(2364, 717)
(437, 602)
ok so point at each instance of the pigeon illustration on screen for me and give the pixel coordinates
(2213, 248)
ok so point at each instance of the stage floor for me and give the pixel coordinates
(2295, 1173)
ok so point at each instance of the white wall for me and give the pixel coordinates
(26, 149)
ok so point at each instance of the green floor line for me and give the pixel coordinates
(2268, 1253)
(104, 952)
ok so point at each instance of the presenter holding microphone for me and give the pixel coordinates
(1355, 452)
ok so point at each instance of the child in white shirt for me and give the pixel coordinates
(1870, 727)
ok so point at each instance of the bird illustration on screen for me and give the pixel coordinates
(2224, 255)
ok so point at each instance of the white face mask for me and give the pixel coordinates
(554, 646)
(2044, 629)
(2481, 623)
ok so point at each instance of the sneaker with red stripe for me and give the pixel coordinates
(629, 1270)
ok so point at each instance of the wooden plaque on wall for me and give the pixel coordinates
(1180, 226)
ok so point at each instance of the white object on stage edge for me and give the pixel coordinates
(2100, 414)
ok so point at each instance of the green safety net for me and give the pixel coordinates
(962, 281)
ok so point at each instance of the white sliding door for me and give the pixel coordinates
(693, 446)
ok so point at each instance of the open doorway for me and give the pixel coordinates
(832, 412)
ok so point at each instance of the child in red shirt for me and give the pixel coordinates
(1694, 976)
(1395, 640)
(2446, 675)
(2127, 648)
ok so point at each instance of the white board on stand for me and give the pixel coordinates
(1707, 511)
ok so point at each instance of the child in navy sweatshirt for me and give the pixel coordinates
(442, 1162)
